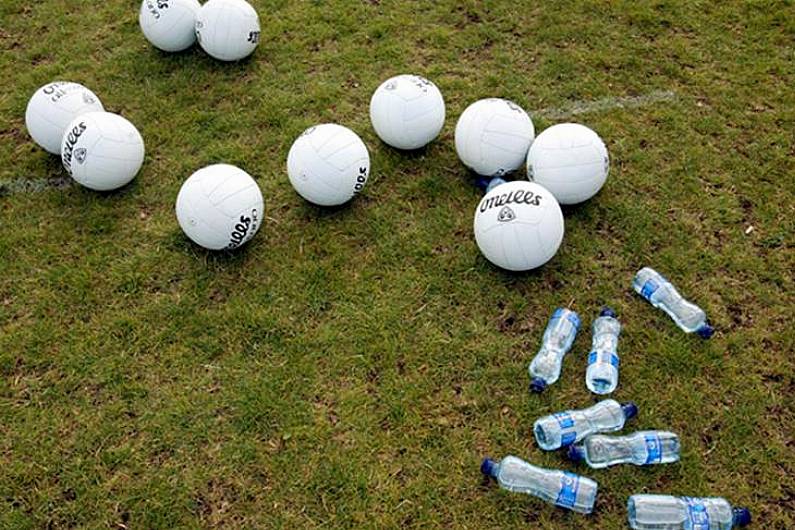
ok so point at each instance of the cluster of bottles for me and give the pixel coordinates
(581, 432)
(644, 512)
(601, 376)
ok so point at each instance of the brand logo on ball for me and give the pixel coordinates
(513, 106)
(68, 149)
(392, 85)
(242, 229)
(253, 37)
(154, 7)
(59, 90)
(50, 89)
(422, 83)
(361, 179)
(80, 155)
(513, 197)
(506, 215)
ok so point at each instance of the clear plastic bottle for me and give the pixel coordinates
(560, 488)
(565, 428)
(558, 338)
(652, 286)
(665, 512)
(640, 448)
(601, 377)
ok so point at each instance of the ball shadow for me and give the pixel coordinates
(197, 59)
(578, 211)
(405, 154)
(314, 212)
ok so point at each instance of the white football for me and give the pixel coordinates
(407, 111)
(328, 164)
(220, 207)
(228, 30)
(53, 107)
(102, 151)
(492, 137)
(570, 160)
(169, 24)
(518, 226)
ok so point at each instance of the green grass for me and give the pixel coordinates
(350, 368)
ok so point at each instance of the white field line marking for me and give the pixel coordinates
(21, 185)
(611, 103)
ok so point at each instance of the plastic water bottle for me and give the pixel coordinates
(558, 337)
(652, 286)
(664, 512)
(565, 428)
(488, 183)
(639, 448)
(560, 488)
(601, 377)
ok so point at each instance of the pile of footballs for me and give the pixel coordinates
(518, 225)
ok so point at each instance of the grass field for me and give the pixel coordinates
(350, 368)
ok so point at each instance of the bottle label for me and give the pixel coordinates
(648, 289)
(604, 357)
(697, 514)
(569, 484)
(567, 439)
(566, 422)
(574, 319)
(571, 316)
(653, 449)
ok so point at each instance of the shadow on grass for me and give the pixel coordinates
(405, 154)
(177, 241)
(578, 211)
(197, 59)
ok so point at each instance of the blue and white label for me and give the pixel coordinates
(574, 319)
(569, 484)
(603, 357)
(566, 422)
(571, 316)
(697, 514)
(653, 449)
(649, 288)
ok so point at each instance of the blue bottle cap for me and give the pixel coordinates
(607, 312)
(488, 468)
(630, 409)
(706, 331)
(742, 517)
(494, 182)
(537, 385)
(482, 183)
(576, 454)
